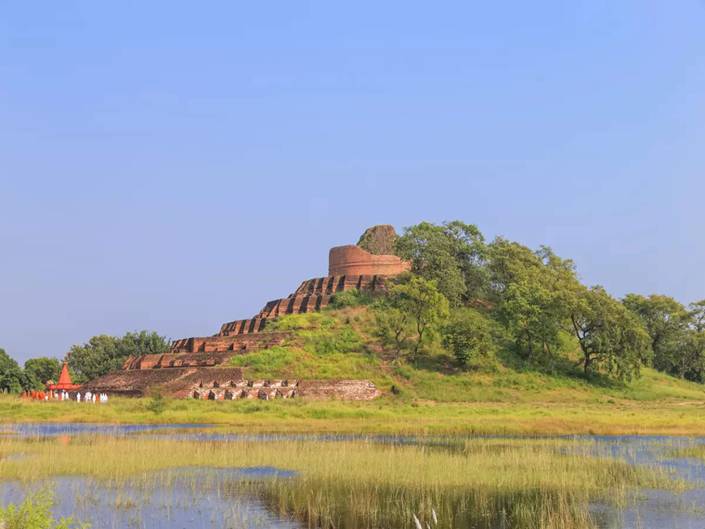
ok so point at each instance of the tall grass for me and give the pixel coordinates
(483, 483)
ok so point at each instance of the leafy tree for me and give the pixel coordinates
(692, 354)
(103, 354)
(531, 295)
(393, 327)
(690, 357)
(666, 321)
(426, 307)
(697, 315)
(38, 371)
(350, 298)
(610, 337)
(468, 335)
(451, 254)
(410, 316)
(11, 377)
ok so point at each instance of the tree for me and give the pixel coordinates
(11, 376)
(38, 371)
(424, 304)
(451, 254)
(103, 354)
(610, 337)
(411, 314)
(393, 327)
(697, 315)
(692, 354)
(666, 321)
(468, 335)
(531, 293)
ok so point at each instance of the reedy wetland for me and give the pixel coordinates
(483, 483)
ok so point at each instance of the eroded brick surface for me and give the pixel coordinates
(194, 367)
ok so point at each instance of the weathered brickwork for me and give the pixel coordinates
(193, 367)
(353, 260)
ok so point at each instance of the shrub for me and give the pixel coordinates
(468, 335)
(350, 298)
(157, 404)
(35, 513)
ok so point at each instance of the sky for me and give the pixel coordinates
(171, 165)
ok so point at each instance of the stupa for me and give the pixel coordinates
(195, 366)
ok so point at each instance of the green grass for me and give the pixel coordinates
(497, 395)
(480, 483)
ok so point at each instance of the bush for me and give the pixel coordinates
(157, 404)
(350, 298)
(468, 335)
(35, 513)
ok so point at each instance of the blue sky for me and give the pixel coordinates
(171, 166)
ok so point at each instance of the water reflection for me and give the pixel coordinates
(189, 499)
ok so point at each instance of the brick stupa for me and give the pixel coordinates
(195, 367)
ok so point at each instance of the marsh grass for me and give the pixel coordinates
(483, 483)
(695, 452)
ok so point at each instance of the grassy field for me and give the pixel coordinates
(528, 404)
(481, 483)
(497, 395)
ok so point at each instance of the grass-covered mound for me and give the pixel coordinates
(341, 344)
(496, 393)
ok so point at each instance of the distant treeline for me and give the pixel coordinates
(100, 355)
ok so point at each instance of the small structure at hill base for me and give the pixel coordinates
(64, 384)
(193, 363)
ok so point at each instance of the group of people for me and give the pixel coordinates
(65, 395)
(92, 397)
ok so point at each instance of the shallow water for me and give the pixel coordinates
(206, 498)
(115, 430)
(182, 505)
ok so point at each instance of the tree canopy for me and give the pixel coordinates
(451, 254)
(610, 337)
(543, 308)
(411, 315)
(103, 353)
(38, 371)
(11, 376)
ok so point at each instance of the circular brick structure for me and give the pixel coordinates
(353, 260)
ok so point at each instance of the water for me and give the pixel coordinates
(208, 498)
(115, 430)
(194, 499)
